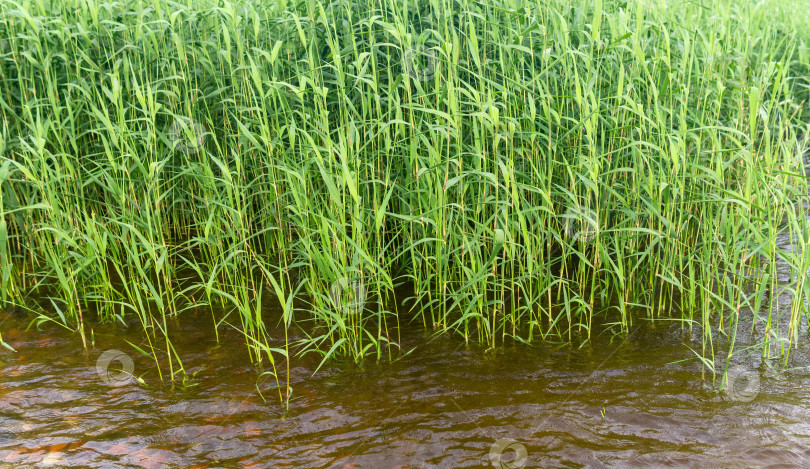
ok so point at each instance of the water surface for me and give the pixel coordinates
(617, 402)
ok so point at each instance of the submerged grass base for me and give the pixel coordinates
(517, 166)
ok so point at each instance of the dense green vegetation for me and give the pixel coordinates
(518, 168)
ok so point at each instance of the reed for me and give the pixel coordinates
(520, 167)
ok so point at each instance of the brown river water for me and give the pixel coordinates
(616, 402)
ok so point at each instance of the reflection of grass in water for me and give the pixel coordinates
(682, 144)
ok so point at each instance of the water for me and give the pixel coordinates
(620, 402)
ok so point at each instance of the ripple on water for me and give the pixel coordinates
(617, 405)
